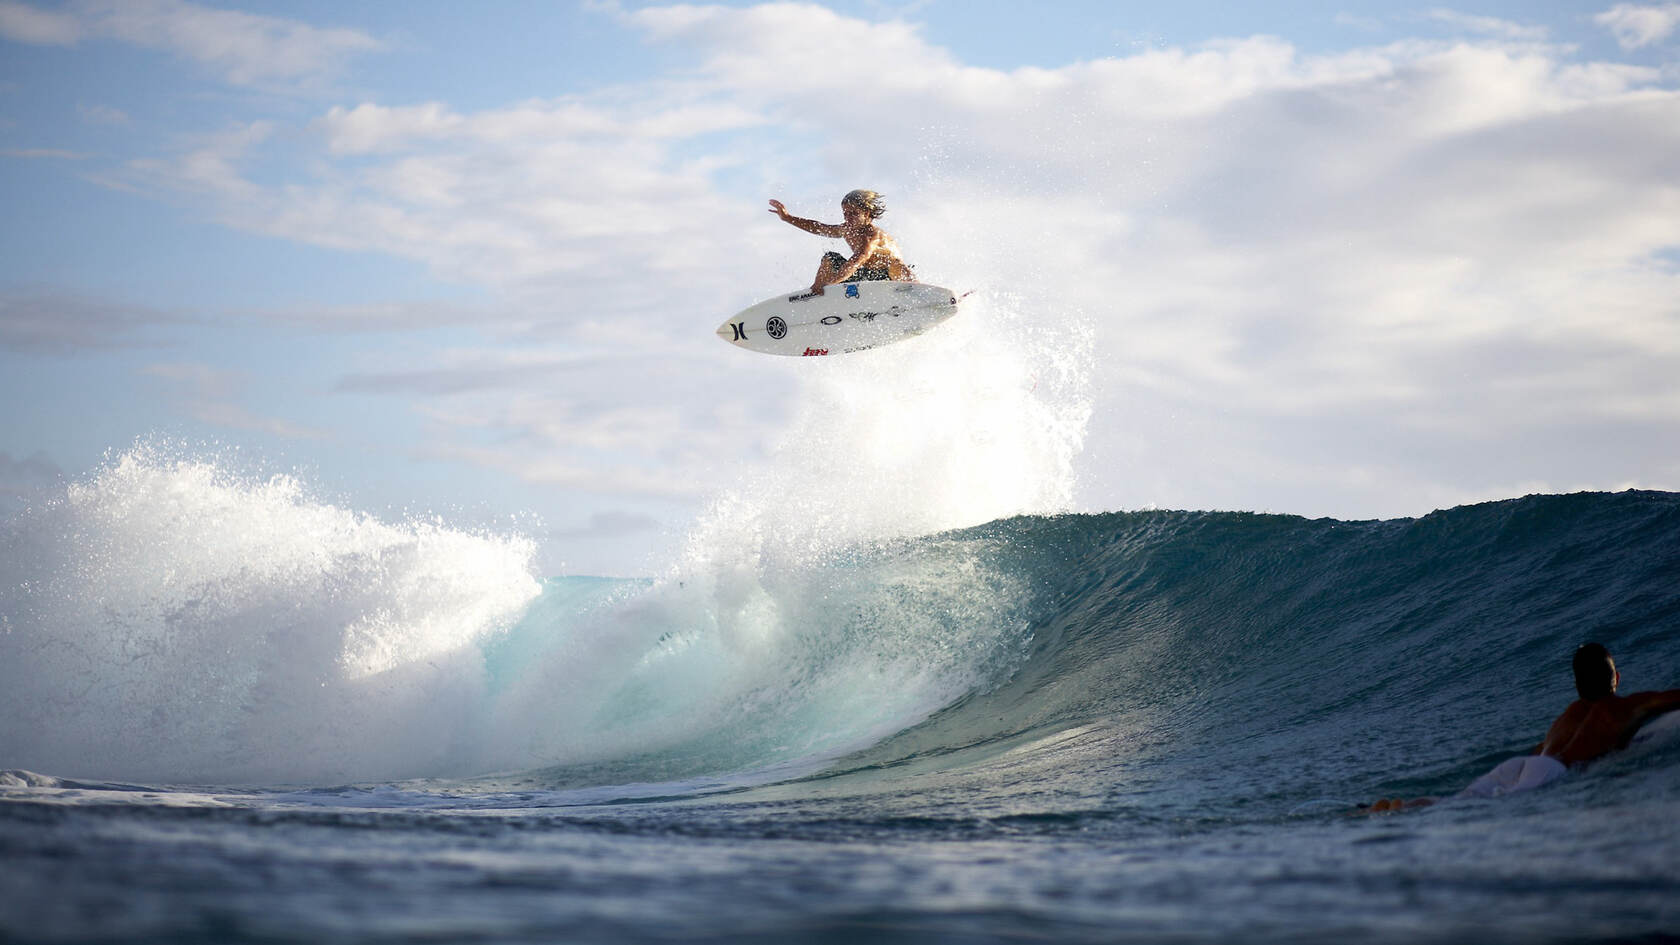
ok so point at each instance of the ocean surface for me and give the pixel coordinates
(233, 712)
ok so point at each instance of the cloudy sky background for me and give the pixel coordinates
(466, 260)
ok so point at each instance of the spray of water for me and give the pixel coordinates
(167, 619)
(980, 420)
(808, 613)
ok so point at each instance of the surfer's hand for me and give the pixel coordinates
(779, 210)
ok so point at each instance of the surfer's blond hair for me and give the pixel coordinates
(868, 201)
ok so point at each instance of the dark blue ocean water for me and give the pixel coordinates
(1149, 727)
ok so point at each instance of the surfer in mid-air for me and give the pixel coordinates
(875, 255)
(1596, 724)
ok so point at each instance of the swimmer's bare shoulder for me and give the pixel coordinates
(1589, 729)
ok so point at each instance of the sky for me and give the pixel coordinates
(1360, 260)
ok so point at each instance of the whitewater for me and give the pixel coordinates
(891, 689)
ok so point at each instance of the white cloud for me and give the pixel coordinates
(1366, 24)
(1489, 26)
(23, 23)
(1427, 238)
(529, 194)
(616, 425)
(102, 115)
(1636, 26)
(46, 322)
(245, 48)
(212, 395)
(368, 128)
(36, 154)
(211, 165)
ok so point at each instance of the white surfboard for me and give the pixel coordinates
(851, 316)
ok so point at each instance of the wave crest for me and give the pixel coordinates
(169, 619)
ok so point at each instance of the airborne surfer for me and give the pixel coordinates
(1596, 724)
(875, 255)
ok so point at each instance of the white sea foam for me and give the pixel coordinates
(167, 619)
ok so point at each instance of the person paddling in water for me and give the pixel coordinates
(1597, 723)
(875, 255)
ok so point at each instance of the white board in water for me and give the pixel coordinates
(848, 317)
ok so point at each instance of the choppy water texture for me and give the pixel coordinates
(1145, 726)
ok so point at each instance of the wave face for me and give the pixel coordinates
(1226, 648)
(1257, 655)
(167, 622)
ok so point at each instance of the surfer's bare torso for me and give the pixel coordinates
(875, 254)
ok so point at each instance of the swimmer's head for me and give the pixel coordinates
(1595, 672)
(868, 201)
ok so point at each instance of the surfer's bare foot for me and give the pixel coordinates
(1386, 805)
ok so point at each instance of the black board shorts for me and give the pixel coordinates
(864, 273)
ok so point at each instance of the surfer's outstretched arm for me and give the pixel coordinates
(810, 226)
(1647, 706)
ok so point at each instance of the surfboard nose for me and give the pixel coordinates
(733, 330)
